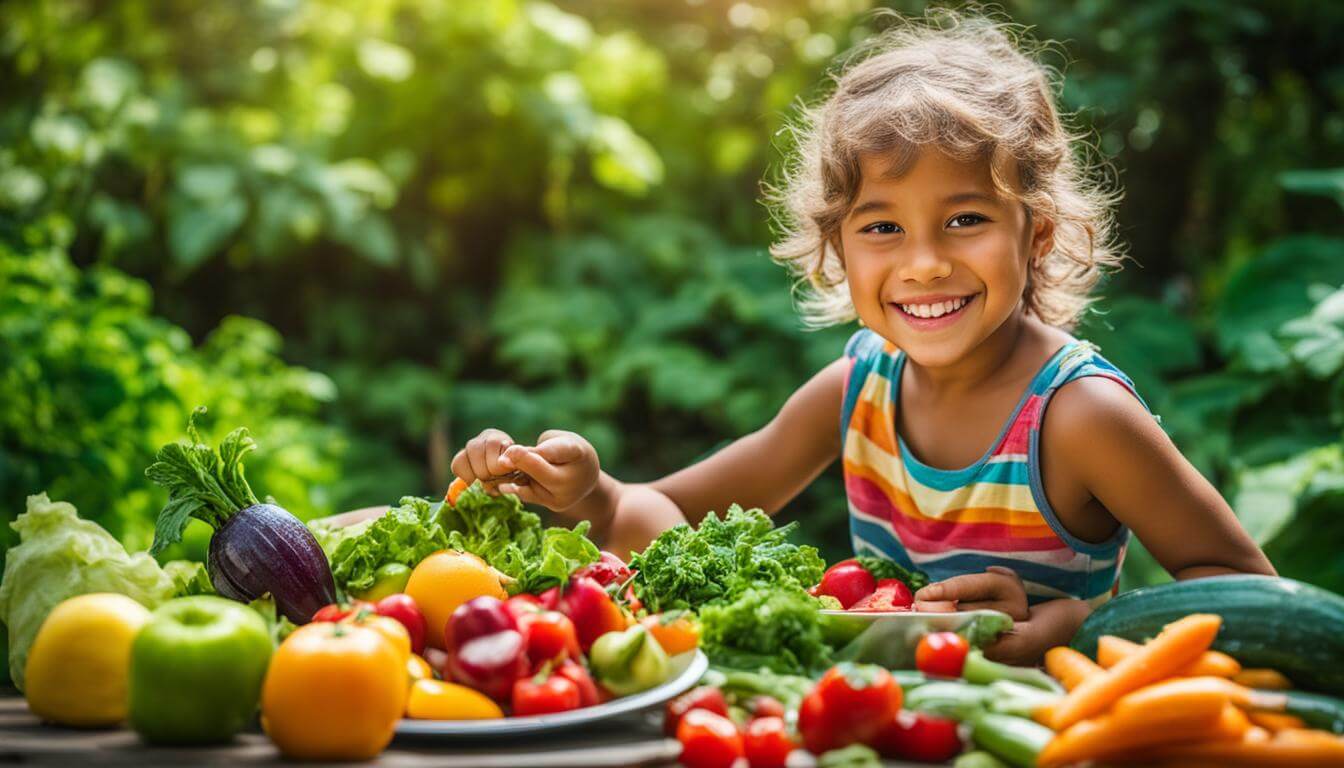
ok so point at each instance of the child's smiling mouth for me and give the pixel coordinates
(928, 313)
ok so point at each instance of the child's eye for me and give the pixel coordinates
(966, 220)
(883, 228)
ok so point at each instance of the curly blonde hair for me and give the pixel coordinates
(966, 86)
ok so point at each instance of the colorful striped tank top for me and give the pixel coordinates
(994, 512)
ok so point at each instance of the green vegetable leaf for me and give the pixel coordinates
(496, 528)
(201, 482)
(563, 551)
(882, 568)
(778, 628)
(405, 534)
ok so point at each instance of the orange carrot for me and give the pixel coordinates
(1179, 643)
(1262, 678)
(1292, 747)
(1111, 649)
(1045, 714)
(455, 489)
(1171, 698)
(1069, 667)
(1114, 736)
(1276, 721)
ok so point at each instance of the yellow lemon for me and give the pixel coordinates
(447, 579)
(79, 662)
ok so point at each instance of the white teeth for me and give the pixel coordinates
(935, 310)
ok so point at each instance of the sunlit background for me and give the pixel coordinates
(369, 229)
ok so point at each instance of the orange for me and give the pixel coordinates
(447, 579)
(333, 692)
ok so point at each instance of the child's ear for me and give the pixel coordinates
(1042, 237)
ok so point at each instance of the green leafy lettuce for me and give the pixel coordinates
(496, 528)
(748, 583)
(61, 556)
(405, 534)
(882, 568)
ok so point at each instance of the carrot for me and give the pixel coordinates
(1276, 721)
(1116, 736)
(1111, 649)
(1179, 643)
(1262, 678)
(455, 489)
(1291, 747)
(1069, 667)
(1045, 714)
(1170, 698)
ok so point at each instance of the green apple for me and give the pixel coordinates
(389, 579)
(196, 671)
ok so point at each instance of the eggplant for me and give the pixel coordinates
(256, 548)
(264, 548)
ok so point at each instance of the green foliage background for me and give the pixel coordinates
(368, 230)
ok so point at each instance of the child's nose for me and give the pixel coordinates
(923, 264)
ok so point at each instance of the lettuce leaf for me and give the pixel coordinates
(405, 534)
(778, 628)
(61, 556)
(495, 528)
(563, 551)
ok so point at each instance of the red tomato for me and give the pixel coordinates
(578, 674)
(540, 696)
(765, 706)
(403, 608)
(709, 740)
(851, 704)
(767, 742)
(550, 599)
(631, 601)
(591, 609)
(337, 611)
(890, 595)
(521, 605)
(609, 569)
(919, 737)
(846, 581)
(705, 697)
(942, 654)
(549, 634)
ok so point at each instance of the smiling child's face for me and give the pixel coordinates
(936, 259)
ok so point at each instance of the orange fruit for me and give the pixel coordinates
(447, 579)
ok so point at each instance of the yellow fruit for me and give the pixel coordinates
(437, 700)
(418, 669)
(445, 580)
(80, 660)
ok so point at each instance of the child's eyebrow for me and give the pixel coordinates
(959, 197)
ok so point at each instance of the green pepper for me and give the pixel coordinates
(1014, 740)
(389, 579)
(982, 671)
(1014, 698)
(630, 661)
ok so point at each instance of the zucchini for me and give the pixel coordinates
(1014, 740)
(956, 700)
(1268, 621)
(1316, 710)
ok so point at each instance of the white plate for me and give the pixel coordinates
(687, 669)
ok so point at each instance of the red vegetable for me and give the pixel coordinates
(941, 653)
(337, 611)
(846, 581)
(709, 740)
(890, 595)
(705, 697)
(475, 618)
(490, 663)
(521, 605)
(544, 694)
(549, 634)
(767, 743)
(608, 570)
(765, 706)
(851, 704)
(578, 674)
(919, 737)
(591, 609)
(403, 608)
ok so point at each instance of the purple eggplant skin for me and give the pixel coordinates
(264, 548)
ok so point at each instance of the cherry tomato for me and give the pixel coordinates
(765, 706)
(942, 654)
(846, 581)
(336, 611)
(521, 605)
(705, 697)
(890, 595)
(709, 740)
(767, 742)
(403, 608)
(850, 704)
(576, 672)
(543, 695)
(919, 737)
(549, 634)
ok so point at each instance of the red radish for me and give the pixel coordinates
(490, 663)
(477, 617)
(846, 581)
(890, 595)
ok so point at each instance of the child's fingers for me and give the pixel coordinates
(529, 493)
(998, 590)
(531, 463)
(462, 467)
(496, 443)
(560, 450)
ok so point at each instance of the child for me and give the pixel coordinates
(937, 198)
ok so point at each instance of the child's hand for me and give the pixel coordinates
(557, 473)
(998, 588)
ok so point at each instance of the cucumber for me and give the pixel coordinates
(958, 701)
(1316, 710)
(982, 671)
(978, 759)
(1014, 740)
(1272, 622)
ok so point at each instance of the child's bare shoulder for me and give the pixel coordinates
(1094, 421)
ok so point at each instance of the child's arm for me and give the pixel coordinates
(764, 469)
